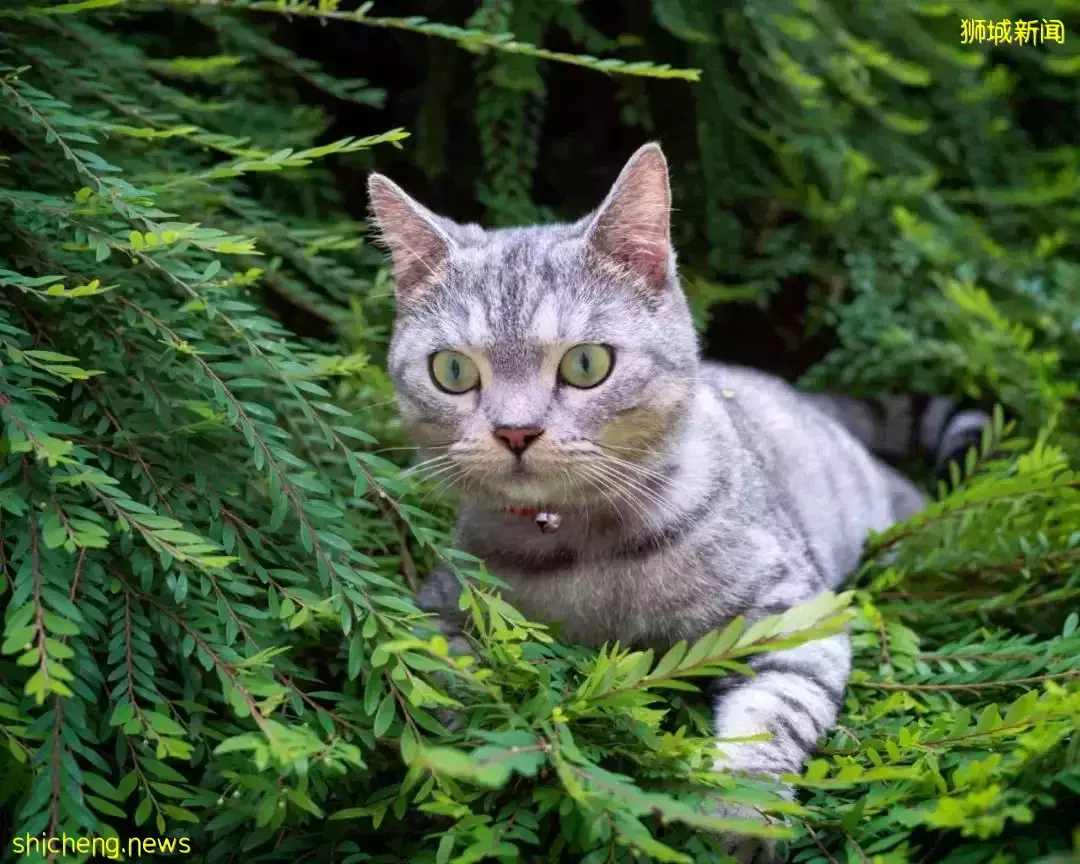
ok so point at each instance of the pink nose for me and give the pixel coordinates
(517, 438)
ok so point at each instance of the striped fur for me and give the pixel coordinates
(690, 492)
(900, 427)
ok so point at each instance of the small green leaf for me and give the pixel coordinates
(102, 786)
(142, 812)
(670, 661)
(122, 714)
(408, 745)
(385, 715)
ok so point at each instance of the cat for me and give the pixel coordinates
(621, 486)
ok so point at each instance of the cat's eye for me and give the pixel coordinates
(585, 366)
(453, 372)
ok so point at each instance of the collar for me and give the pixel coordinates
(546, 521)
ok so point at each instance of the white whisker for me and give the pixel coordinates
(637, 474)
(623, 490)
(640, 470)
(428, 463)
(613, 504)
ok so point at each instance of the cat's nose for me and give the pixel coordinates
(517, 438)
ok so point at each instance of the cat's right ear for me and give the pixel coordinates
(418, 246)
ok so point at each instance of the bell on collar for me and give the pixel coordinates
(548, 523)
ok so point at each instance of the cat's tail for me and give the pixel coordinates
(938, 429)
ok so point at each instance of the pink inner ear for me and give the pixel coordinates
(416, 248)
(641, 247)
(634, 228)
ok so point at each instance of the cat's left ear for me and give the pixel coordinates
(632, 228)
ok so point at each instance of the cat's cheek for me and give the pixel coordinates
(638, 429)
(426, 434)
(434, 420)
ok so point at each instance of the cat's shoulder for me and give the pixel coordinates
(728, 379)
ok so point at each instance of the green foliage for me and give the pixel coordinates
(207, 542)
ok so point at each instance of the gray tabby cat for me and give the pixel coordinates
(552, 374)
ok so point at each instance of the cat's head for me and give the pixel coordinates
(542, 365)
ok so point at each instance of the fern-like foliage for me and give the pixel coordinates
(208, 543)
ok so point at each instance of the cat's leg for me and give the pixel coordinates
(795, 697)
(439, 595)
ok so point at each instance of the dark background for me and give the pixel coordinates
(584, 143)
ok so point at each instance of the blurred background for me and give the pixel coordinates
(871, 197)
(848, 176)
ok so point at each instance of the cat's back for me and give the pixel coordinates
(805, 463)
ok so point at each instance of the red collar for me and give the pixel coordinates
(546, 521)
(527, 512)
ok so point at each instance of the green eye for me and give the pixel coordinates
(586, 366)
(454, 372)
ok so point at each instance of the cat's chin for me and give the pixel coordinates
(524, 491)
(550, 497)
(527, 487)
(518, 490)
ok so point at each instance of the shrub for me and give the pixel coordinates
(208, 544)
